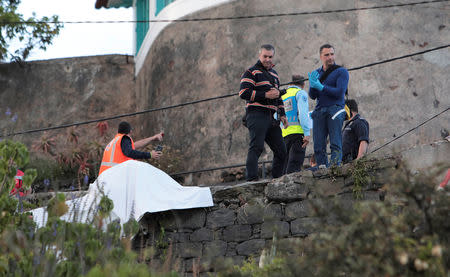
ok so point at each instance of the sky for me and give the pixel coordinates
(76, 40)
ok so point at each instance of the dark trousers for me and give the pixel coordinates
(295, 153)
(263, 128)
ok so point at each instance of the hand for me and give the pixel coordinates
(306, 140)
(158, 136)
(156, 154)
(314, 81)
(273, 93)
(284, 121)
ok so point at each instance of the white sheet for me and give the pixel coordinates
(135, 189)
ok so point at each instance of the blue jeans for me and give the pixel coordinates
(327, 121)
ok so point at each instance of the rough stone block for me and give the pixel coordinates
(237, 233)
(304, 226)
(328, 186)
(220, 218)
(250, 214)
(231, 249)
(215, 248)
(286, 192)
(272, 212)
(280, 228)
(202, 234)
(247, 190)
(177, 237)
(297, 209)
(188, 249)
(183, 219)
(254, 246)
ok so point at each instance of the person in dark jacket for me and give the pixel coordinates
(328, 84)
(259, 87)
(355, 135)
(114, 155)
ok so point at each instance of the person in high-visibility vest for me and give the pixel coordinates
(297, 134)
(122, 148)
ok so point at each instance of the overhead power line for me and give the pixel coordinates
(264, 162)
(388, 60)
(412, 129)
(229, 17)
(196, 101)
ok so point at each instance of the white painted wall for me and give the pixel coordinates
(174, 10)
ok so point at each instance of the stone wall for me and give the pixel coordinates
(50, 93)
(245, 217)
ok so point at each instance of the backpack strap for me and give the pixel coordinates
(328, 72)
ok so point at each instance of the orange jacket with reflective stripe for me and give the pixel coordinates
(113, 154)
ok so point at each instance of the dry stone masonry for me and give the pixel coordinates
(246, 217)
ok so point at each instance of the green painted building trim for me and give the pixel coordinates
(142, 14)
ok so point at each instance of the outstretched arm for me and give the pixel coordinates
(144, 142)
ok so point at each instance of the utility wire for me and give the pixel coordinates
(387, 61)
(197, 101)
(409, 131)
(264, 162)
(229, 17)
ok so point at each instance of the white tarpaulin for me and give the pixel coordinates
(135, 189)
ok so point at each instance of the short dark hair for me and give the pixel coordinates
(352, 105)
(268, 47)
(298, 80)
(326, 45)
(124, 128)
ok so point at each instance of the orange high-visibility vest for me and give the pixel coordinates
(113, 154)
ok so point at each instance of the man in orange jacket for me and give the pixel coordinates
(122, 148)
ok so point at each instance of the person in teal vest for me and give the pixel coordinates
(297, 134)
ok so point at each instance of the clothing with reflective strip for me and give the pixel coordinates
(113, 154)
(296, 107)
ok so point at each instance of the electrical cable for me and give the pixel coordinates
(264, 162)
(196, 101)
(386, 61)
(229, 17)
(409, 131)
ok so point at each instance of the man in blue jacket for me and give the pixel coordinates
(328, 84)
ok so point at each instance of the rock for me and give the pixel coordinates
(280, 228)
(250, 214)
(250, 247)
(202, 234)
(220, 218)
(297, 209)
(237, 233)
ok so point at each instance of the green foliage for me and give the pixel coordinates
(13, 155)
(105, 206)
(62, 248)
(360, 174)
(170, 161)
(406, 235)
(131, 227)
(50, 169)
(37, 33)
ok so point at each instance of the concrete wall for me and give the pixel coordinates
(196, 60)
(245, 218)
